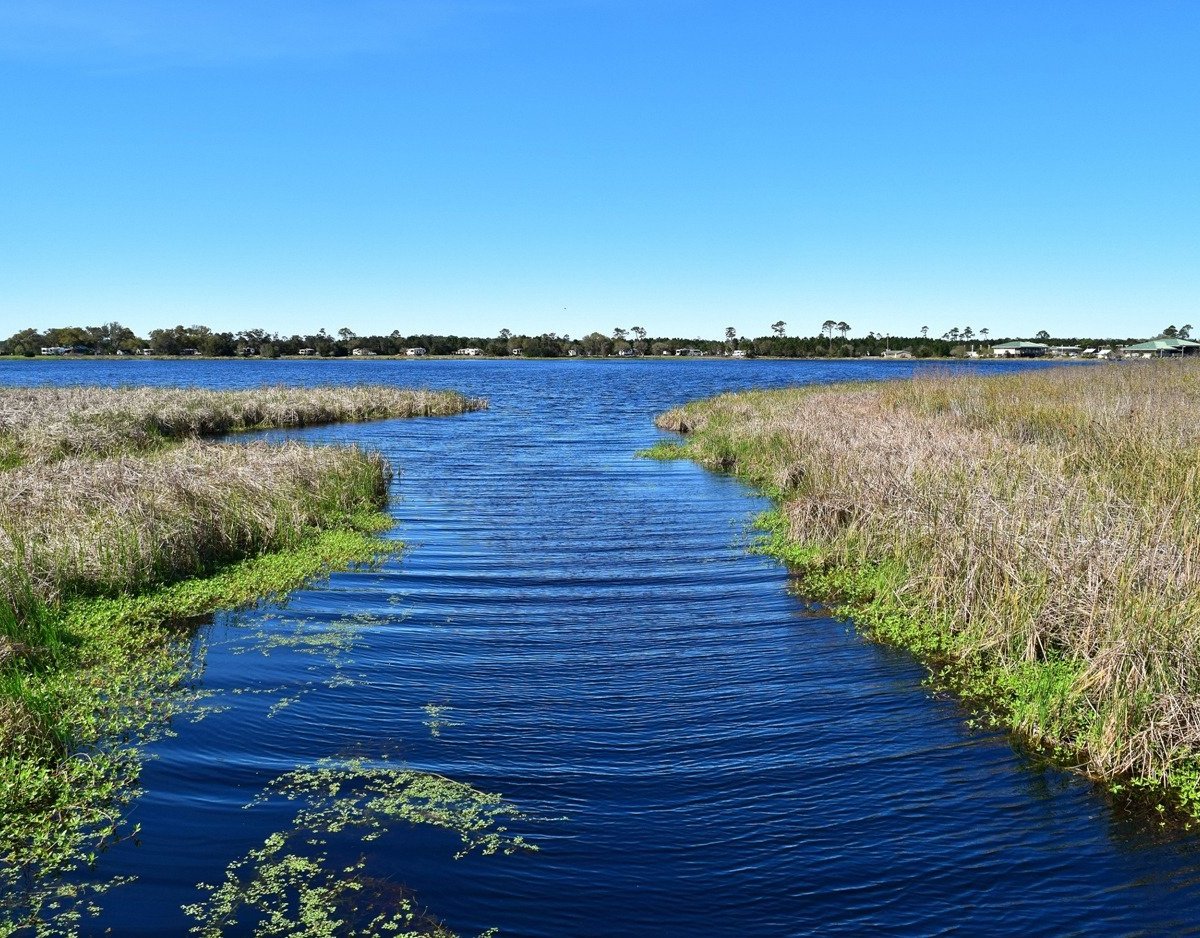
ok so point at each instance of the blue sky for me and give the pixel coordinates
(462, 166)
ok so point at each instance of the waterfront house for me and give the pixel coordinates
(1065, 351)
(54, 350)
(308, 351)
(470, 351)
(1161, 348)
(363, 352)
(897, 353)
(414, 352)
(1019, 350)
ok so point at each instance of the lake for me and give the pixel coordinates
(697, 749)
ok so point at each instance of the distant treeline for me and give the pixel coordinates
(113, 338)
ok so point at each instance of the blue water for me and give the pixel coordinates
(705, 753)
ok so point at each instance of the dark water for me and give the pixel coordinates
(707, 754)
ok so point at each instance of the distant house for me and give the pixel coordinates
(145, 351)
(54, 350)
(573, 353)
(1161, 348)
(1065, 351)
(519, 352)
(188, 351)
(470, 351)
(627, 353)
(307, 351)
(740, 353)
(414, 352)
(363, 352)
(897, 353)
(1019, 350)
(687, 352)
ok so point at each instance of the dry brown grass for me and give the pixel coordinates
(46, 423)
(102, 526)
(1045, 521)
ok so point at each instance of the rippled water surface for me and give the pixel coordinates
(704, 753)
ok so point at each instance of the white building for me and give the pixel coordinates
(474, 352)
(414, 352)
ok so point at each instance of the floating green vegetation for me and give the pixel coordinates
(292, 886)
(436, 719)
(332, 642)
(1032, 537)
(122, 671)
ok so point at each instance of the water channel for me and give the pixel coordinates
(699, 751)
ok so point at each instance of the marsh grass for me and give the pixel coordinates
(47, 423)
(1035, 536)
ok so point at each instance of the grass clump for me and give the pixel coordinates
(1033, 536)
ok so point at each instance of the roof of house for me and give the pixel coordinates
(1019, 345)
(1158, 345)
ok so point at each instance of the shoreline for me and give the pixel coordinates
(970, 520)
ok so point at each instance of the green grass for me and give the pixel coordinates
(1032, 537)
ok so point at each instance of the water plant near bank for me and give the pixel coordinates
(1032, 536)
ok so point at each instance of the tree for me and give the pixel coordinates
(505, 334)
(731, 336)
(1185, 331)
(619, 334)
(779, 328)
(968, 334)
(346, 333)
(827, 328)
(953, 334)
(984, 333)
(27, 342)
(843, 328)
(595, 344)
(1170, 332)
(1042, 335)
(640, 333)
(924, 332)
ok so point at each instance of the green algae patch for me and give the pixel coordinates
(121, 670)
(293, 885)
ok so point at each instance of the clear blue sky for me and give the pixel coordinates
(461, 166)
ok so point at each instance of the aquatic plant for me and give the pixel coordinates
(291, 886)
(1032, 535)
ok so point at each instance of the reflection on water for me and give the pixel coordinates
(583, 632)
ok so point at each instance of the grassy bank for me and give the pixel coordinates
(1032, 536)
(101, 553)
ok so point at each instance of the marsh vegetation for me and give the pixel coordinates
(1033, 536)
(115, 519)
